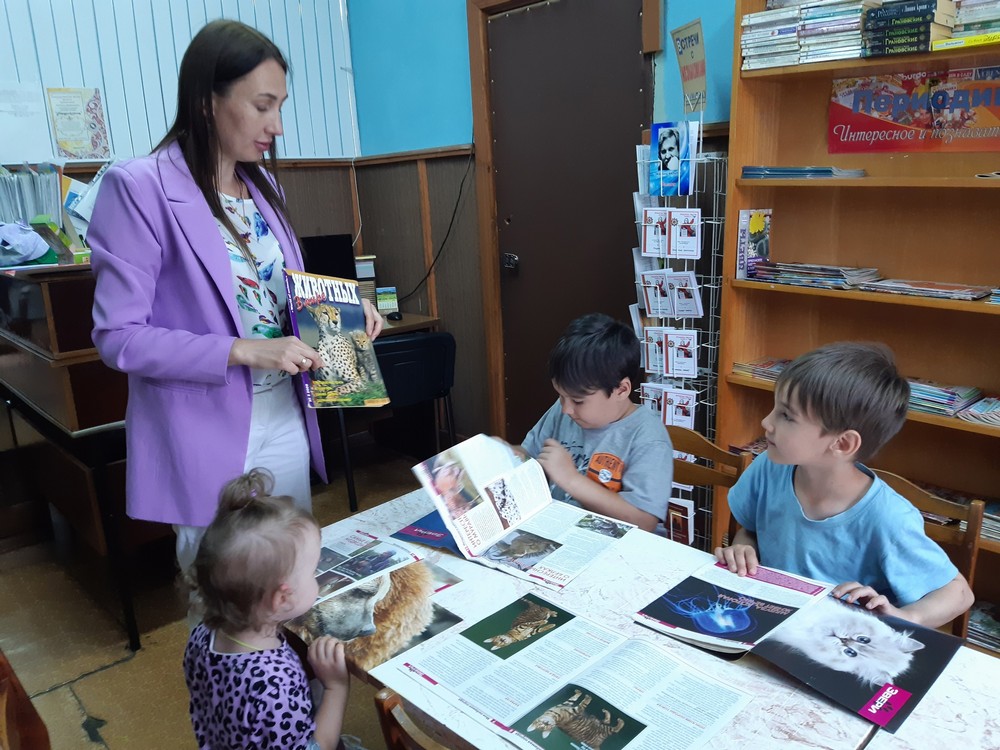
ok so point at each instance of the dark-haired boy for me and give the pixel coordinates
(807, 505)
(598, 449)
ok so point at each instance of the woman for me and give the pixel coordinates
(188, 246)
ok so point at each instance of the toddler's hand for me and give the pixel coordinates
(326, 656)
(857, 593)
(557, 463)
(739, 558)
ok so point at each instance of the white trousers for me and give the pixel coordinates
(279, 443)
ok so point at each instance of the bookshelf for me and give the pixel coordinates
(917, 216)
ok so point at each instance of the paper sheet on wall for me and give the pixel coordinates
(24, 123)
(79, 123)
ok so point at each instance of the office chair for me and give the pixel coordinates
(965, 544)
(724, 470)
(21, 728)
(402, 733)
(416, 368)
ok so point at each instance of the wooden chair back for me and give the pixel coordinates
(964, 545)
(21, 728)
(403, 732)
(724, 470)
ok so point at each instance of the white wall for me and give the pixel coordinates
(131, 50)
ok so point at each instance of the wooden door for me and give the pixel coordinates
(568, 100)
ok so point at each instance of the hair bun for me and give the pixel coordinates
(240, 492)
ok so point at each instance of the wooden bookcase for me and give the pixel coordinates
(917, 216)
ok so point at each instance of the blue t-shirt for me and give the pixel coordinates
(879, 541)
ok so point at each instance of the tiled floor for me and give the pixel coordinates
(58, 629)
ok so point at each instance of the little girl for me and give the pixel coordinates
(255, 569)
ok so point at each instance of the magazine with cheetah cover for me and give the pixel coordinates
(326, 314)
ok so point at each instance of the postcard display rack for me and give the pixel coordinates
(921, 215)
(700, 378)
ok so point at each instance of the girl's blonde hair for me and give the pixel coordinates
(247, 552)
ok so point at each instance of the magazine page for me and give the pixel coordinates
(326, 313)
(550, 548)
(555, 545)
(349, 559)
(481, 488)
(726, 612)
(544, 678)
(877, 666)
(402, 608)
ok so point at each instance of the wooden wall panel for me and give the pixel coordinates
(458, 288)
(389, 196)
(319, 200)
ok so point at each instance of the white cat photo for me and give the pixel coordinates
(846, 638)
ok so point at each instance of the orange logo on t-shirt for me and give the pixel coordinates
(606, 469)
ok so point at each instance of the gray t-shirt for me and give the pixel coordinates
(632, 456)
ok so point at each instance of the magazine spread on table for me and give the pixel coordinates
(542, 677)
(878, 666)
(501, 513)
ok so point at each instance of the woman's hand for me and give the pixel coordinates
(373, 320)
(286, 353)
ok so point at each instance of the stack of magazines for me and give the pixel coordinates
(984, 625)
(832, 30)
(764, 369)
(939, 289)
(770, 38)
(984, 411)
(991, 518)
(946, 400)
(813, 275)
(994, 297)
(798, 173)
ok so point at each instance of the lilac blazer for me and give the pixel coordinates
(165, 313)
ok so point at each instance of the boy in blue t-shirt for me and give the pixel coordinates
(598, 449)
(808, 506)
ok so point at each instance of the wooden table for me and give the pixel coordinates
(621, 581)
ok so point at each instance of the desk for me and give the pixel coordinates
(410, 322)
(622, 580)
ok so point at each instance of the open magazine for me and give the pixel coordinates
(500, 512)
(542, 677)
(326, 313)
(879, 667)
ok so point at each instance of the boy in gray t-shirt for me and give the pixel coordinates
(598, 449)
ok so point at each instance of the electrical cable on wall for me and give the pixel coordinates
(447, 234)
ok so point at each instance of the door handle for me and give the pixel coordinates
(509, 261)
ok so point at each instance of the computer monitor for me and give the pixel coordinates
(329, 255)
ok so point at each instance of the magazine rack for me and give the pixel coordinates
(711, 176)
(918, 215)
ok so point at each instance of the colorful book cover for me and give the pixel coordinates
(753, 241)
(326, 313)
(672, 154)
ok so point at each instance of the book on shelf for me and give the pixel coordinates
(911, 7)
(326, 313)
(876, 666)
(908, 20)
(814, 275)
(984, 625)
(767, 368)
(753, 240)
(931, 397)
(500, 512)
(976, 40)
(622, 692)
(936, 289)
(680, 522)
(915, 33)
(797, 173)
(984, 411)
